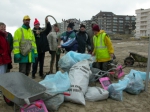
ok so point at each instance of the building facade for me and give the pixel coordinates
(63, 25)
(110, 22)
(142, 23)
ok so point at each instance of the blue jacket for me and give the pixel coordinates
(69, 39)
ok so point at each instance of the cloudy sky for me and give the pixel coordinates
(12, 11)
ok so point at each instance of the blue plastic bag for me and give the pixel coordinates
(71, 58)
(142, 74)
(116, 89)
(57, 83)
(135, 85)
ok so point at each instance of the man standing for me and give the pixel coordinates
(24, 46)
(83, 40)
(103, 49)
(42, 45)
(54, 41)
(69, 39)
(91, 34)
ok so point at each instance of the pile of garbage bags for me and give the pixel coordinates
(75, 81)
(131, 83)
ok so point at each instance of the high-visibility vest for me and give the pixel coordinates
(101, 50)
(28, 35)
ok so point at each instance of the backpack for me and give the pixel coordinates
(25, 45)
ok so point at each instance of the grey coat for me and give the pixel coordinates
(52, 38)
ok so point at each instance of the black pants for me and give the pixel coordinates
(39, 60)
(101, 65)
(53, 55)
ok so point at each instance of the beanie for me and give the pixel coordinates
(26, 17)
(36, 22)
(71, 25)
(96, 28)
(82, 25)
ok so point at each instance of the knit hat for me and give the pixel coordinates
(82, 25)
(71, 25)
(96, 28)
(36, 22)
(26, 17)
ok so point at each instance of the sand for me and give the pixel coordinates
(130, 103)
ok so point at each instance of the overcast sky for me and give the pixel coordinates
(13, 11)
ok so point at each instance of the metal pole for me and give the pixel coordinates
(148, 69)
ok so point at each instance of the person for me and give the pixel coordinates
(83, 40)
(91, 34)
(9, 38)
(24, 47)
(42, 45)
(69, 39)
(103, 49)
(54, 41)
(4, 50)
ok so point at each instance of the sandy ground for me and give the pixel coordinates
(130, 103)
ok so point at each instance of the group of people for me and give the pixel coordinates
(29, 46)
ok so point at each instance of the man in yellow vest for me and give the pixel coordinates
(24, 54)
(103, 49)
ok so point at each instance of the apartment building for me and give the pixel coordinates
(63, 25)
(110, 22)
(142, 23)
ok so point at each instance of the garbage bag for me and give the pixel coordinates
(142, 74)
(57, 83)
(135, 85)
(79, 76)
(96, 94)
(71, 58)
(53, 103)
(116, 89)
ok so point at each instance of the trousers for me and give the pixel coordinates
(25, 68)
(39, 60)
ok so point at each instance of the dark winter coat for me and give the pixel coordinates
(83, 41)
(41, 40)
(4, 49)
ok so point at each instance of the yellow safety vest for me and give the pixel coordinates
(28, 35)
(101, 50)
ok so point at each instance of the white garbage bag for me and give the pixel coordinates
(96, 94)
(79, 77)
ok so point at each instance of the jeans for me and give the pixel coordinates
(39, 60)
(3, 69)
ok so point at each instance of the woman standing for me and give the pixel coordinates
(4, 50)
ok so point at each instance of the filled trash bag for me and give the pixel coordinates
(142, 74)
(135, 85)
(53, 103)
(96, 94)
(71, 58)
(57, 83)
(116, 89)
(79, 76)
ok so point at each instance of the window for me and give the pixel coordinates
(120, 27)
(115, 21)
(127, 18)
(121, 30)
(114, 17)
(120, 18)
(133, 18)
(114, 26)
(120, 21)
(114, 29)
(108, 23)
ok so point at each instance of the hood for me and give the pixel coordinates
(3, 33)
